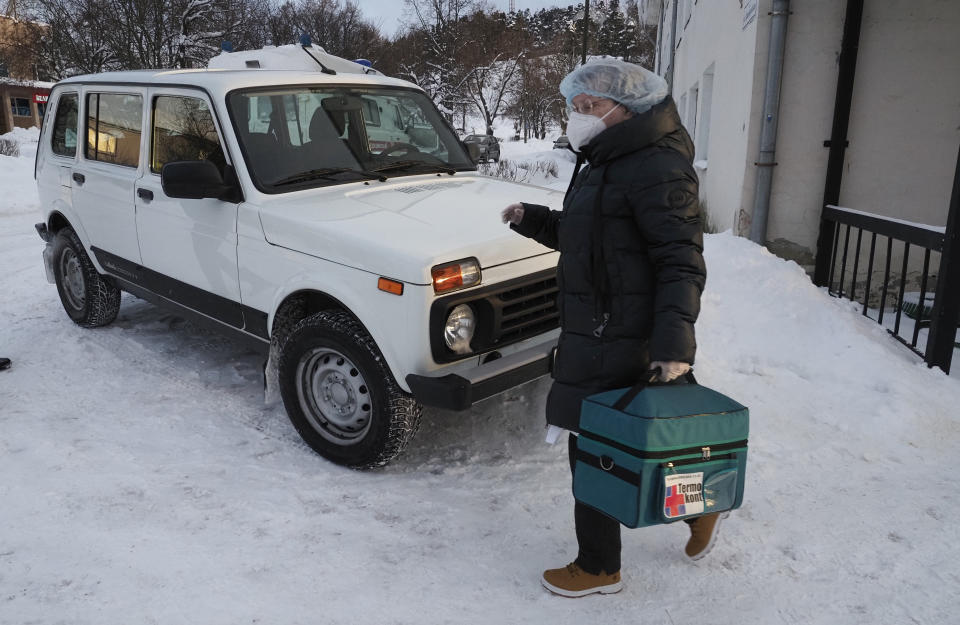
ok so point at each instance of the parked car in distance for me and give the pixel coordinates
(485, 148)
(330, 219)
(561, 143)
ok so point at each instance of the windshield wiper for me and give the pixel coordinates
(327, 174)
(411, 164)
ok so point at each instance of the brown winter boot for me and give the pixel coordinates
(572, 581)
(703, 534)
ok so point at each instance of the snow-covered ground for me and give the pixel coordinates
(143, 480)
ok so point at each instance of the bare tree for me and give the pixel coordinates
(440, 25)
(99, 35)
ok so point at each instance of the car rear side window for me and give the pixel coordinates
(64, 139)
(114, 122)
(184, 130)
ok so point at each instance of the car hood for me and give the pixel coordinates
(403, 227)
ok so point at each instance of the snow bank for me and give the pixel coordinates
(143, 480)
(18, 189)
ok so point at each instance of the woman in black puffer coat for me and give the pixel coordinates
(631, 269)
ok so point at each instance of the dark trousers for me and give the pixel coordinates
(598, 536)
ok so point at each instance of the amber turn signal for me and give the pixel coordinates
(457, 275)
(390, 286)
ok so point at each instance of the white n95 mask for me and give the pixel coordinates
(582, 128)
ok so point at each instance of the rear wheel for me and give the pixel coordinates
(341, 396)
(90, 299)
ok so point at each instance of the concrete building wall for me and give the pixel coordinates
(905, 130)
(807, 95)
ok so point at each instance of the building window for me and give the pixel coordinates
(64, 141)
(113, 128)
(183, 130)
(692, 102)
(20, 107)
(706, 106)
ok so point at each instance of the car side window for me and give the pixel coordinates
(64, 139)
(184, 130)
(114, 122)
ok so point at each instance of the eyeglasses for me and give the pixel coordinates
(586, 107)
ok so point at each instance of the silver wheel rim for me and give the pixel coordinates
(71, 274)
(334, 396)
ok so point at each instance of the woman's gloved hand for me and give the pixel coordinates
(670, 370)
(512, 214)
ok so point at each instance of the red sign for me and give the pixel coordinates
(40, 98)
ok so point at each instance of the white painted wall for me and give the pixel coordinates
(904, 130)
(727, 135)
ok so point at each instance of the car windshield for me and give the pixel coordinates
(308, 136)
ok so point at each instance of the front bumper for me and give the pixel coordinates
(456, 392)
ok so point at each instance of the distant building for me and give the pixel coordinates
(25, 103)
(23, 98)
(904, 121)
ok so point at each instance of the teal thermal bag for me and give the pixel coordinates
(658, 453)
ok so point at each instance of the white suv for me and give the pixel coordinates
(332, 218)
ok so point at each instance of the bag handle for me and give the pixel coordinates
(647, 379)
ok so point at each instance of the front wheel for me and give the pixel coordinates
(90, 299)
(341, 396)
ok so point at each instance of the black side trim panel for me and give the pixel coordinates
(255, 322)
(185, 296)
(255, 343)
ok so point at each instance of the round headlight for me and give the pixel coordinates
(458, 331)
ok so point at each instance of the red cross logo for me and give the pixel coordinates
(673, 502)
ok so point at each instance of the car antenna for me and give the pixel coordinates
(305, 43)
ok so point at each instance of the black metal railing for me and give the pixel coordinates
(852, 230)
(847, 280)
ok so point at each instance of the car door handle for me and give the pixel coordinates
(145, 194)
(79, 178)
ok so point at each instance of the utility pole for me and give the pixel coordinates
(586, 30)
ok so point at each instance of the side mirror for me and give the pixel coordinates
(194, 180)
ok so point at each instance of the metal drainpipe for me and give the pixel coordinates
(673, 46)
(771, 112)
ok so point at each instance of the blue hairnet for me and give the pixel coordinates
(636, 88)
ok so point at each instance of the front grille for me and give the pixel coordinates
(506, 313)
(525, 311)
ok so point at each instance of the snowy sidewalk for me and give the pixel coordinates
(144, 481)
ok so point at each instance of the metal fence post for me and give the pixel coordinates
(946, 305)
(838, 135)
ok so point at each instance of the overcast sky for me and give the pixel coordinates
(388, 14)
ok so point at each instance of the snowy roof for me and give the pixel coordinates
(223, 80)
(36, 84)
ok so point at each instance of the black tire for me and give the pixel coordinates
(341, 396)
(90, 299)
